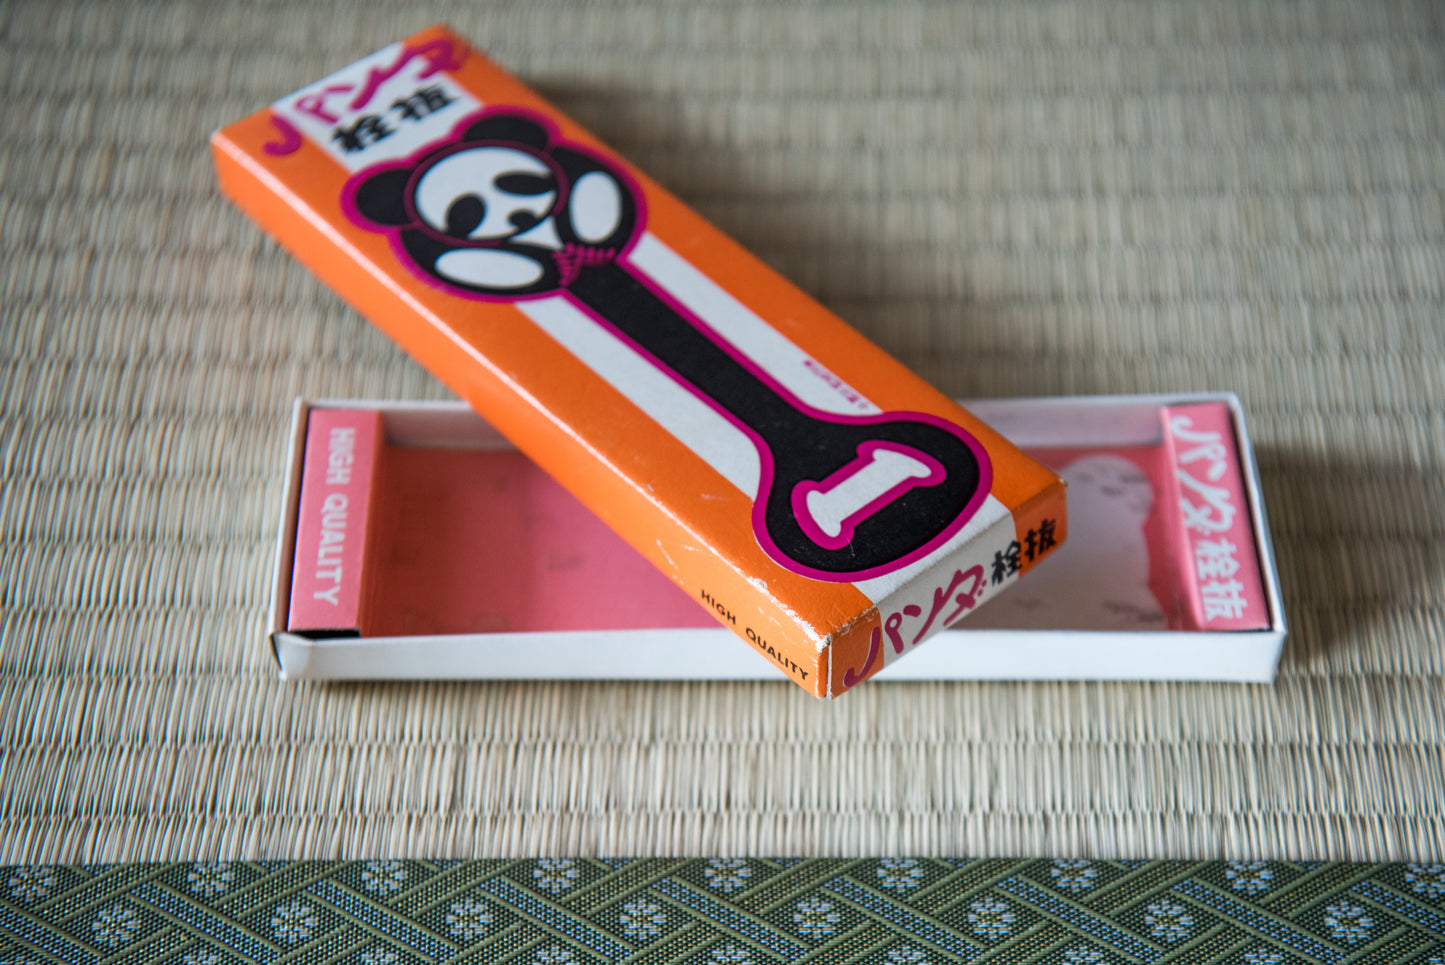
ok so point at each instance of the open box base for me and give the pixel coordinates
(478, 566)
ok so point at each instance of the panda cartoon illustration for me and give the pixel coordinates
(505, 210)
(502, 211)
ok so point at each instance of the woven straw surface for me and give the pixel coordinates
(1016, 199)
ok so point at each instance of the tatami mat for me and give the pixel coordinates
(1030, 198)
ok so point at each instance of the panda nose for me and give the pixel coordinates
(522, 220)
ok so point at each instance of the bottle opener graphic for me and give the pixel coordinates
(506, 211)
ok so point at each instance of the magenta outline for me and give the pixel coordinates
(985, 465)
(849, 523)
(450, 144)
(765, 455)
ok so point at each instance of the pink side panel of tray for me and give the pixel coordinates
(328, 583)
(1217, 551)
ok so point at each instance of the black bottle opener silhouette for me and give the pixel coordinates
(506, 212)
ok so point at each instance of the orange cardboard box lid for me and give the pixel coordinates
(824, 502)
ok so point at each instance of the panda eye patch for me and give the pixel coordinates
(526, 184)
(464, 215)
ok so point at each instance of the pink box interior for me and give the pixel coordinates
(435, 541)
(484, 541)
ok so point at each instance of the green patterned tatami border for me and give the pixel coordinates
(725, 911)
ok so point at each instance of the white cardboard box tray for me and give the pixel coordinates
(1080, 616)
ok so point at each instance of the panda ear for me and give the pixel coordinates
(382, 197)
(508, 127)
(574, 164)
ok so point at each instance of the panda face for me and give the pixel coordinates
(503, 211)
(485, 193)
